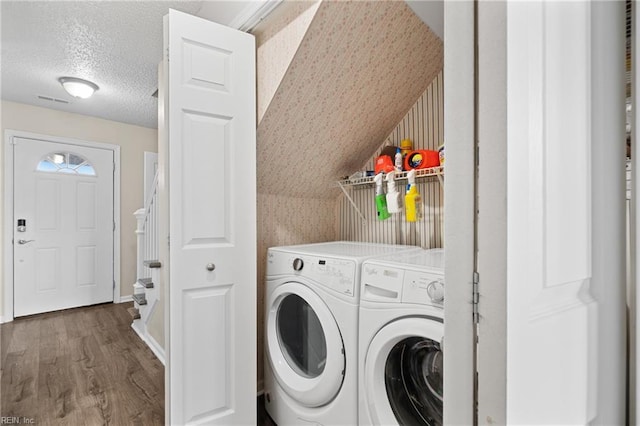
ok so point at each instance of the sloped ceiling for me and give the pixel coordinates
(359, 68)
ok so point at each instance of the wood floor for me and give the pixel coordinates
(82, 366)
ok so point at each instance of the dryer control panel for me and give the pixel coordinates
(336, 274)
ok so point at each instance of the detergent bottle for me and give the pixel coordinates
(413, 200)
(394, 198)
(381, 200)
(398, 162)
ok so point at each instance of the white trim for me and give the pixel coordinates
(253, 14)
(459, 210)
(7, 228)
(125, 299)
(155, 347)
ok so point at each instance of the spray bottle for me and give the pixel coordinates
(381, 200)
(412, 199)
(394, 198)
(398, 161)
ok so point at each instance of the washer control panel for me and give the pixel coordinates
(398, 285)
(422, 287)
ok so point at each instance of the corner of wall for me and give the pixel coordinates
(277, 40)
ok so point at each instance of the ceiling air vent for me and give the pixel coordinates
(51, 99)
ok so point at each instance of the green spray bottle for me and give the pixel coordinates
(381, 199)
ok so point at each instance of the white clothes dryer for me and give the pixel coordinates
(311, 327)
(400, 339)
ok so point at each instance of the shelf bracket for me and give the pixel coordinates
(351, 201)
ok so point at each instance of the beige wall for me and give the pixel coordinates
(133, 141)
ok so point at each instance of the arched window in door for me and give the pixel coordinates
(66, 162)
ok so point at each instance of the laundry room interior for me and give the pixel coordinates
(306, 261)
(337, 82)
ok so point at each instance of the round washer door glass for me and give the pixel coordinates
(301, 336)
(403, 373)
(413, 380)
(304, 345)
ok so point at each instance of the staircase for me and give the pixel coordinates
(146, 291)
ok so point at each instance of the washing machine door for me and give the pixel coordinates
(304, 345)
(403, 373)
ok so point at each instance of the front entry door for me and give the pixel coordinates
(62, 227)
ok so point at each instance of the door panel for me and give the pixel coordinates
(67, 259)
(207, 219)
(208, 306)
(538, 328)
(212, 222)
(549, 224)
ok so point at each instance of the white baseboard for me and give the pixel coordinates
(125, 299)
(157, 350)
(4, 319)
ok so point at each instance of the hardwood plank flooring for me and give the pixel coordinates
(82, 366)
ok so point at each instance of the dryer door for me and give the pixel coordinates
(403, 373)
(304, 345)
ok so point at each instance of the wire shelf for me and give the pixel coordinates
(420, 173)
(432, 171)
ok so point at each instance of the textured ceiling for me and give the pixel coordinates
(359, 69)
(115, 44)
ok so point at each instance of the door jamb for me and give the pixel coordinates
(7, 211)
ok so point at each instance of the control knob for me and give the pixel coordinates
(297, 264)
(435, 290)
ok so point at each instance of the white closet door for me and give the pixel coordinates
(212, 222)
(550, 213)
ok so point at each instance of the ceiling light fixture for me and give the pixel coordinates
(78, 87)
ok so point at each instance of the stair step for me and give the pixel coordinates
(152, 263)
(146, 282)
(134, 312)
(139, 299)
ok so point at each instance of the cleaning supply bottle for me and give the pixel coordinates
(412, 199)
(394, 198)
(406, 146)
(381, 200)
(397, 162)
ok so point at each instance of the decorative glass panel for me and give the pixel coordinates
(75, 160)
(66, 162)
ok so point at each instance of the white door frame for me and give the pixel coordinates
(7, 245)
(459, 207)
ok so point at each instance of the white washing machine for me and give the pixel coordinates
(400, 340)
(311, 327)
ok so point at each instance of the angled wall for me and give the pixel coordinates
(358, 70)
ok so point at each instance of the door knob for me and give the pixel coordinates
(24, 241)
(210, 266)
